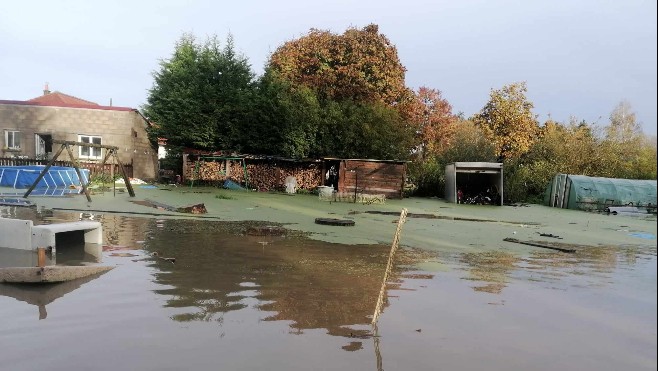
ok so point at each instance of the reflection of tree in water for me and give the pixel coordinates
(311, 283)
(587, 260)
(544, 265)
(492, 267)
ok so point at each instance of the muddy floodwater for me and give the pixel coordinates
(229, 295)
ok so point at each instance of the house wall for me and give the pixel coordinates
(372, 177)
(125, 129)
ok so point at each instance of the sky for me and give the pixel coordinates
(578, 58)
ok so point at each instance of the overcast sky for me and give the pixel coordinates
(579, 58)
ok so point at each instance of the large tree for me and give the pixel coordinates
(361, 65)
(508, 121)
(432, 118)
(623, 127)
(284, 120)
(625, 151)
(201, 95)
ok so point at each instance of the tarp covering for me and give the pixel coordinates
(593, 193)
(57, 176)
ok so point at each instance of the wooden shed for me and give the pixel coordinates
(365, 176)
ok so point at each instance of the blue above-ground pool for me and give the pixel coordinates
(57, 176)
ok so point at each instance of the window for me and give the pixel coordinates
(90, 152)
(13, 139)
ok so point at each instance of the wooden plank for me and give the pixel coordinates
(530, 243)
(81, 144)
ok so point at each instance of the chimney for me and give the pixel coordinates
(45, 90)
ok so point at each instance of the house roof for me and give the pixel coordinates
(58, 99)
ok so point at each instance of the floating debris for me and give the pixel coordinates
(336, 222)
(536, 244)
(550, 235)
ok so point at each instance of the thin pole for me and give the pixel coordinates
(389, 268)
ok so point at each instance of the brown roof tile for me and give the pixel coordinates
(57, 99)
(60, 99)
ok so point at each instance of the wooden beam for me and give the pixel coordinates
(530, 243)
(73, 143)
(43, 172)
(77, 170)
(129, 187)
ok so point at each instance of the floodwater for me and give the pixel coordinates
(197, 295)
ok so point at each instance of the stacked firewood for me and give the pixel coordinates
(206, 171)
(262, 176)
(270, 177)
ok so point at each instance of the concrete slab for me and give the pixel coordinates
(54, 273)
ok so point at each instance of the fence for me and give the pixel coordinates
(93, 167)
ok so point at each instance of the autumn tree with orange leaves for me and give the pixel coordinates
(432, 118)
(360, 65)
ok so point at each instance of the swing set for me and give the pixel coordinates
(67, 144)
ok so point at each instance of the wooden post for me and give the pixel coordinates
(43, 172)
(114, 184)
(129, 187)
(77, 171)
(41, 257)
(108, 152)
(389, 267)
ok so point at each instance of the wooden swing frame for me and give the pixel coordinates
(66, 144)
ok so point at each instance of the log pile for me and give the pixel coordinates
(270, 177)
(262, 176)
(206, 171)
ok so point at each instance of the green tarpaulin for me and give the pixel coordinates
(592, 193)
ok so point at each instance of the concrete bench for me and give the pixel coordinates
(22, 234)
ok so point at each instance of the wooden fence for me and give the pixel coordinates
(93, 167)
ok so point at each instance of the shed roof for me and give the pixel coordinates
(364, 160)
(479, 165)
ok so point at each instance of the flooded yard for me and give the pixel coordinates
(209, 294)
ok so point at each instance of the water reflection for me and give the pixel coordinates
(42, 294)
(491, 267)
(70, 252)
(494, 269)
(219, 267)
(309, 283)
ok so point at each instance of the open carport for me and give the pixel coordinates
(474, 180)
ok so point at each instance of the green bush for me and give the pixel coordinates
(428, 177)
